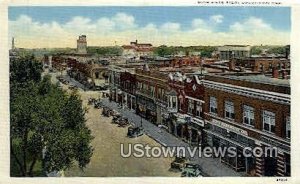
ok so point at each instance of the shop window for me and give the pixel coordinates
(213, 105)
(229, 110)
(190, 106)
(268, 121)
(288, 127)
(198, 109)
(248, 115)
(287, 165)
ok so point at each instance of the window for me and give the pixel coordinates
(152, 90)
(269, 121)
(288, 127)
(190, 106)
(229, 110)
(287, 164)
(248, 115)
(213, 105)
(198, 109)
(174, 102)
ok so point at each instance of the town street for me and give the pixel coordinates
(107, 160)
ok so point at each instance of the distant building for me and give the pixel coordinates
(82, 45)
(137, 50)
(227, 52)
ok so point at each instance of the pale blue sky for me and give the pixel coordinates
(105, 25)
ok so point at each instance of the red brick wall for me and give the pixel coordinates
(281, 111)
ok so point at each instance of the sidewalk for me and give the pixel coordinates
(211, 166)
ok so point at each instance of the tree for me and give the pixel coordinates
(256, 50)
(164, 51)
(48, 131)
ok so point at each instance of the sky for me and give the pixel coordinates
(54, 27)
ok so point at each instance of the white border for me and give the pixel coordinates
(4, 96)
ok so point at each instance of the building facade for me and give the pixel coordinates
(82, 44)
(227, 52)
(254, 113)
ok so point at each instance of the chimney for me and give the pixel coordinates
(284, 74)
(231, 65)
(275, 73)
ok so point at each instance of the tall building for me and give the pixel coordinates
(227, 52)
(13, 43)
(82, 45)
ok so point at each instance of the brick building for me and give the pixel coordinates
(185, 106)
(249, 111)
(128, 87)
(151, 94)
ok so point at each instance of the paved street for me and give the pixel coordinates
(106, 160)
(211, 166)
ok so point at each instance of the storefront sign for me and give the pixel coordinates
(198, 122)
(228, 127)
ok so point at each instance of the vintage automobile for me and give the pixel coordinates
(179, 163)
(98, 104)
(116, 118)
(135, 132)
(192, 170)
(106, 112)
(72, 87)
(123, 122)
(91, 101)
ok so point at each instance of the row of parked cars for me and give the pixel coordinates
(187, 169)
(132, 131)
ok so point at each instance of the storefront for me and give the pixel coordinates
(196, 131)
(146, 108)
(220, 135)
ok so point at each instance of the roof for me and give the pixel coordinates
(262, 79)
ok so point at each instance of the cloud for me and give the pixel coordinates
(198, 23)
(252, 23)
(217, 19)
(123, 28)
(170, 27)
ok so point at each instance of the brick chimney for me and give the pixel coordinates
(275, 73)
(231, 65)
(284, 74)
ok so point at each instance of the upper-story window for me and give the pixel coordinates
(152, 90)
(248, 115)
(198, 109)
(213, 105)
(269, 121)
(229, 109)
(288, 127)
(172, 102)
(190, 106)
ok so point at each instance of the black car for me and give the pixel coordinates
(192, 170)
(135, 132)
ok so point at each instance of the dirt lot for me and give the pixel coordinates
(106, 160)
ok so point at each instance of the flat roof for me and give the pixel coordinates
(262, 79)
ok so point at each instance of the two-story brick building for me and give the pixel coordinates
(244, 110)
(151, 94)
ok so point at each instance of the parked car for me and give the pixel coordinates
(179, 163)
(106, 112)
(91, 101)
(123, 122)
(116, 118)
(72, 87)
(192, 170)
(135, 132)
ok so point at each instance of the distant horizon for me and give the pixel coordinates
(153, 46)
(59, 27)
